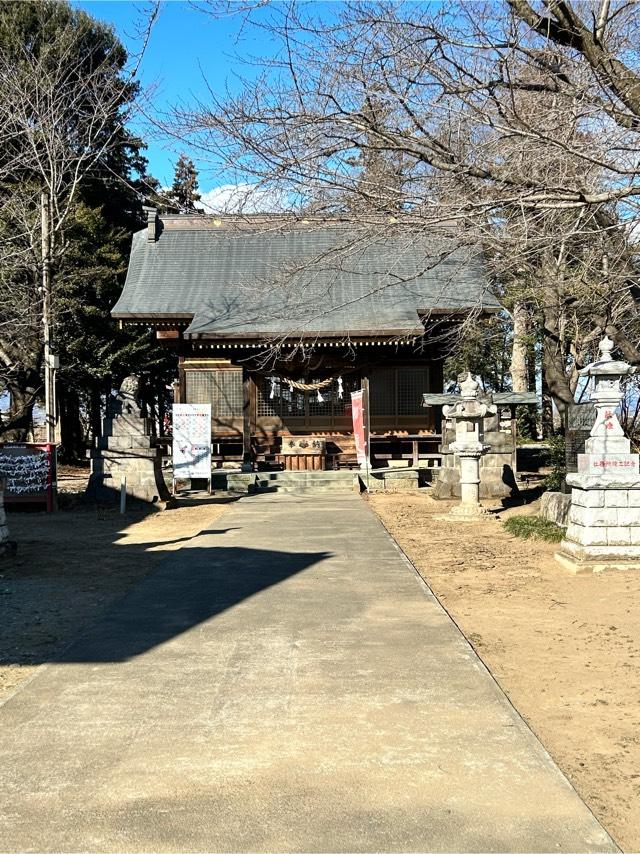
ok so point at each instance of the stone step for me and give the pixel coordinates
(317, 489)
(294, 477)
(297, 476)
(299, 481)
(320, 481)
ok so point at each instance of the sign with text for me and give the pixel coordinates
(191, 440)
(609, 464)
(357, 414)
(29, 472)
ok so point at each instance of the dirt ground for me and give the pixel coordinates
(564, 648)
(71, 564)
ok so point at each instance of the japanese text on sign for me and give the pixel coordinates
(191, 440)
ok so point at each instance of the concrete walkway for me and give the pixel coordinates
(284, 682)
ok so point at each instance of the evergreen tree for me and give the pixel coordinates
(65, 94)
(184, 192)
(95, 210)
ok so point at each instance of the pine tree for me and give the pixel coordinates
(65, 98)
(184, 192)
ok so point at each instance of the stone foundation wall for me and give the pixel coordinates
(604, 519)
(496, 481)
(392, 480)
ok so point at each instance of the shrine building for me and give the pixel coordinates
(276, 321)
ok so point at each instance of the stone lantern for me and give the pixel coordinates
(604, 518)
(468, 414)
(607, 436)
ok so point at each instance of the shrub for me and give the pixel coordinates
(535, 527)
(558, 462)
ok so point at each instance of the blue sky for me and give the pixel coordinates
(186, 48)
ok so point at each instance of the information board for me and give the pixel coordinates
(29, 471)
(191, 440)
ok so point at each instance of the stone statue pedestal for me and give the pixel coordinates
(604, 518)
(604, 523)
(126, 451)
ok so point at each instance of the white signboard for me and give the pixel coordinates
(191, 440)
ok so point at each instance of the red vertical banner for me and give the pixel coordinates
(359, 434)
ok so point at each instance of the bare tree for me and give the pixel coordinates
(66, 94)
(516, 122)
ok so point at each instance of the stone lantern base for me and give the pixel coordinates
(469, 509)
(604, 523)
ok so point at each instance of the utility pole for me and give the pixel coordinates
(50, 361)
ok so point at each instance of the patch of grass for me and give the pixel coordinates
(535, 527)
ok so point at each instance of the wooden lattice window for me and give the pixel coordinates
(398, 390)
(324, 406)
(268, 405)
(382, 391)
(412, 383)
(221, 388)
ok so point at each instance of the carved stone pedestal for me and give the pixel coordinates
(126, 451)
(604, 524)
(469, 507)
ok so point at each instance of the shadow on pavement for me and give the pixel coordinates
(188, 587)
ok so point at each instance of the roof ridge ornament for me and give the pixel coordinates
(151, 214)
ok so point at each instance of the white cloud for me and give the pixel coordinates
(242, 198)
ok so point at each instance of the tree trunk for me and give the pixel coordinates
(23, 391)
(546, 415)
(555, 380)
(519, 349)
(554, 358)
(71, 432)
(162, 406)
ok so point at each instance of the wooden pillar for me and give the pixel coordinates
(246, 420)
(182, 382)
(367, 418)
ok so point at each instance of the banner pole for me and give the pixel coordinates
(367, 426)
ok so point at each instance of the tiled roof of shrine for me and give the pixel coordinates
(268, 278)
